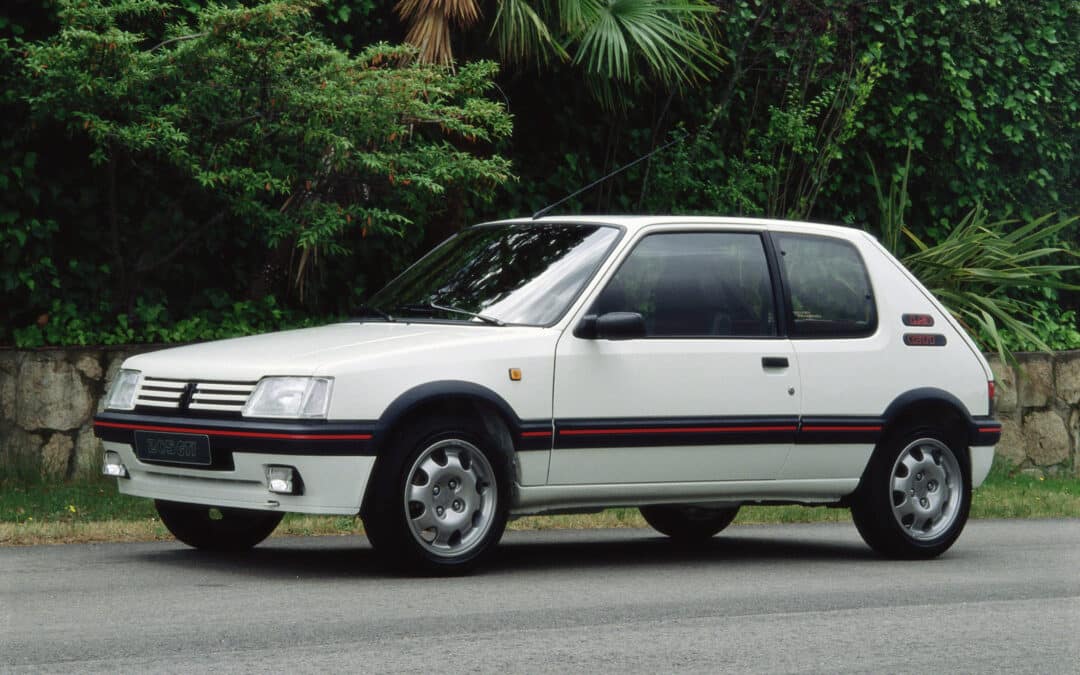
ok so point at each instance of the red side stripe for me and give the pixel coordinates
(842, 428)
(238, 434)
(670, 430)
(535, 434)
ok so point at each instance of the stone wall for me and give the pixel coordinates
(47, 402)
(1038, 403)
(48, 398)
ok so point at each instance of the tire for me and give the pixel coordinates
(439, 502)
(688, 523)
(211, 528)
(914, 498)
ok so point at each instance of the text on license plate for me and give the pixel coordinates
(158, 446)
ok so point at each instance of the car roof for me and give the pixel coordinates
(634, 223)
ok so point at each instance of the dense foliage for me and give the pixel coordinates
(227, 177)
(236, 150)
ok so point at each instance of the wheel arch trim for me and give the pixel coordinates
(980, 431)
(431, 392)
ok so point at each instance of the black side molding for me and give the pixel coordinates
(985, 432)
(299, 437)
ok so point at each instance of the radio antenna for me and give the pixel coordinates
(616, 172)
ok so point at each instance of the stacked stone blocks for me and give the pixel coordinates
(1038, 402)
(47, 402)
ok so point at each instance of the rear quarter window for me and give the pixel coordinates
(828, 287)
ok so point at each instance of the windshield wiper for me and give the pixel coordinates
(442, 308)
(486, 319)
(370, 310)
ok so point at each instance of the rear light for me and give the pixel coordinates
(990, 393)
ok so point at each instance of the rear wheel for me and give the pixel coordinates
(440, 504)
(217, 529)
(915, 497)
(688, 523)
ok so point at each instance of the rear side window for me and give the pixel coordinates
(830, 293)
(695, 284)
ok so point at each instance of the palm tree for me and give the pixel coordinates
(429, 25)
(617, 43)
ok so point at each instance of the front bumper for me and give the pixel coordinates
(334, 459)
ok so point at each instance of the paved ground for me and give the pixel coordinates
(776, 599)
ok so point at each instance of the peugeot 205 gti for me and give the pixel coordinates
(681, 365)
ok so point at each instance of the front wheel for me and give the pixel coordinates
(688, 523)
(217, 529)
(440, 504)
(915, 497)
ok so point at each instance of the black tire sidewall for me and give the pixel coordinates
(872, 510)
(671, 520)
(237, 530)
(385, 517)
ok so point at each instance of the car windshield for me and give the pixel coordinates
(508, 273)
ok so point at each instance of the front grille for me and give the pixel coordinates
(168, 394)
(158, 393)
(221, 396)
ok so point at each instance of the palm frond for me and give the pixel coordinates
(521, 34)
(973, 269)
(672, 40)
(461, 12)
(429, 25)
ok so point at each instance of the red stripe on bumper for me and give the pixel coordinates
(237, 434)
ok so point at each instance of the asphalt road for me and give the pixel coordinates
(776, 599)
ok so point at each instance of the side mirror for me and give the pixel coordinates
(619, 326)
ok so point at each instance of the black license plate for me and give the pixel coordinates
(157, 446)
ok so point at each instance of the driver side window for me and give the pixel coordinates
(695, 284)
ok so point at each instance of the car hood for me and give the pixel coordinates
(309, 351)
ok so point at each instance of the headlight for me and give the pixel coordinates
(307, 397)
(122, 393)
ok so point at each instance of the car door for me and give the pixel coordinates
(708, 392)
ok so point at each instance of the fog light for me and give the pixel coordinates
(284, 480)
(112, 465)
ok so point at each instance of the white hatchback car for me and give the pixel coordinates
(682, 365)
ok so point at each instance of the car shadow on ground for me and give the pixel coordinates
(344, 557)
(661, 552)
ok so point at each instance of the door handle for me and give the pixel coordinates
(774, 362)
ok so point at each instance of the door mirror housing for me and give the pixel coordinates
(611, 326)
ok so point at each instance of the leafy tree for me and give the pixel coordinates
(986, 92)
(245, 124)
(772, 128)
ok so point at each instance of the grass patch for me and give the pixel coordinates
(1019, 495)
(93, 511)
